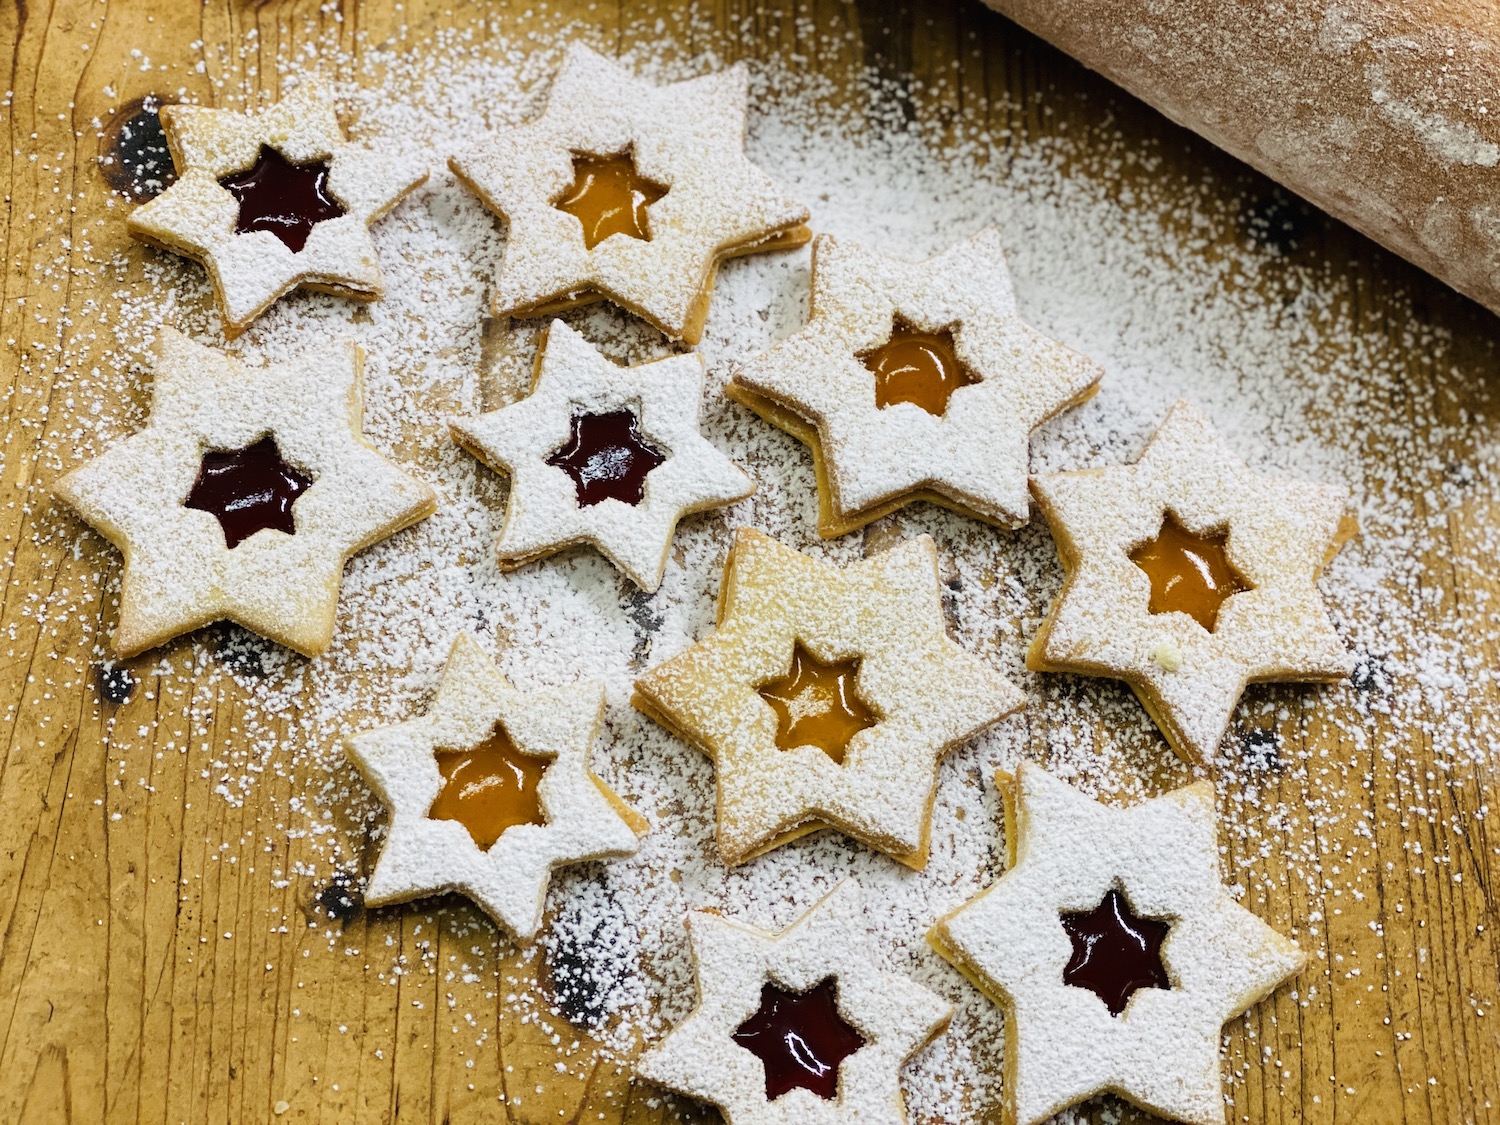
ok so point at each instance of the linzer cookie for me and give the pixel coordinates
(603, 454)
(1189, 576)
(1115, 950)
(797, 1027)
(244, 495)
(629, 192)
(491, 790)
(274, 200)
(826, 697)
(915, 381)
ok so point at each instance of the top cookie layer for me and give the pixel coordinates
(201, 216)
(686, 140)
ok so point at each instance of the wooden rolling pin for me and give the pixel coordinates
(1385, 113)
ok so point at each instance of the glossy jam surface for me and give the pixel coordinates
(801, 1039)
(284, 198)
(608, 196)
(489, 788)
(817, 704)
(1189, 573)
(607, 458)
(248, 490)
(1115, 952)
(917, 367)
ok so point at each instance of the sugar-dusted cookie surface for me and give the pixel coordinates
(800, 1027)
(915, 381)
(274, 200)
(1190, 576)
(1115, 949)
(826, 697)
(244, 496)
(602, 454)
(491, 790)
(630, 192)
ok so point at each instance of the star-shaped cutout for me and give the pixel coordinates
(435, 844)
(608, 196)
(274, 200)
(702, 200)
(915, 381)
(607, 458)
(1115, 953)
(1189, 573)
(287, 199)
(1064, 1041)
(560, 496)
(926, 693)
(818, 704)
(1267, 621)
(800, 1038)
(187, 565)
(827, 1049)
(248, 490)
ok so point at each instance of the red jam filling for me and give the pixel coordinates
(1115, 952)
(607, 458)
(284, 198)
(248, 490)
(800, 1038)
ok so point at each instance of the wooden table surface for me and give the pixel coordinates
(121, 1000)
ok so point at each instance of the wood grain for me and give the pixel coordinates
(123, 997)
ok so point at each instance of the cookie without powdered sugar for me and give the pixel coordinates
(603, 454)
(244, 496)
(1189, 576)
(491, 790)
(826, 697)
(915, 381)
(628, 192)
(274, 200)
(1114, 949)
(800, 1027)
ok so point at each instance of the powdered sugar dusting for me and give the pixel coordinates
(1146, 276)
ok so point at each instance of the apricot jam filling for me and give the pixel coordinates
(817, 704)
(489, 788)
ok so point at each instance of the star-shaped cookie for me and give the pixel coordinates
(1088, 884)
(273, 201)
(244, 495)
(602, 454)
(800, 1027)
(826, 697)
(629, 192)
(491, 790)
(915, 381)
(1189, 576)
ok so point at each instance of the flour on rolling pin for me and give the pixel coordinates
(1373, 110)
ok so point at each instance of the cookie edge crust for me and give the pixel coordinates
(833, 520)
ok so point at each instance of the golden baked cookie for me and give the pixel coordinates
(602, 454)
(1190, 576)
(628, 192)
(915, 381)
(491, 790)
(1115, 950)
(244, 496)
(800, 1027)
(273, 201)
(826, 697)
